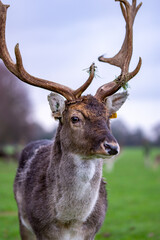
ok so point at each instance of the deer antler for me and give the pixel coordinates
(123, 57)
(19, 71)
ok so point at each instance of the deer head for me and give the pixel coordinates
(84, 120)
(85, 127)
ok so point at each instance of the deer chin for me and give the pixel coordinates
(100, 154)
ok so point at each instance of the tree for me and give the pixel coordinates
(156, 131)
(120, 131)
(16, 123)
(125, 137)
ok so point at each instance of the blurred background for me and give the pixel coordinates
(59, 40)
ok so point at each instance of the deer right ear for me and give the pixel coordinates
(57, 104)
(115, 101)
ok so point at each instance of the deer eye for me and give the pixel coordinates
(75, 119)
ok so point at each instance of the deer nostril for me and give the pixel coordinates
(111, 149)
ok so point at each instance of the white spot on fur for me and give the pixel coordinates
(18, 197)
(19, 193)
(26, 224)
(23, 174)
(71, 234)
(20, 204)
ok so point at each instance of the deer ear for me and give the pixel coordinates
(57, 104)
(115, 101)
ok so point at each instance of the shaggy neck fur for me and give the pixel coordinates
(76, 183)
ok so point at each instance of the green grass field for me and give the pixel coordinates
(133, 199)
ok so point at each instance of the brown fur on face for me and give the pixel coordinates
(85, 136)
(89, 105)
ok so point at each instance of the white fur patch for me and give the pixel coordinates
(78, 202)
(19, 194)
(71, 235)
(23, 220)
(23, 174)
(26, 224)
(85, 168)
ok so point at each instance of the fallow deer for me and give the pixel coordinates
(156, 161)
(59, 187)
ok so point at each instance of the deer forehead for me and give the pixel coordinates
(89, 107)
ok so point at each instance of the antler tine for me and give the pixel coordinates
(52, 86)
(68, 93)
(19, 71)
(79, 91)
(4, 54)
(123, 57)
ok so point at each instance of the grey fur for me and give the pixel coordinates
(59, 188)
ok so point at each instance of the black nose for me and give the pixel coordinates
(111, 149)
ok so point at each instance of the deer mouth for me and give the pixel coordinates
(108, 150)
(105, 151)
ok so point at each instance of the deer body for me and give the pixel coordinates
(61, 207)
(59, 188)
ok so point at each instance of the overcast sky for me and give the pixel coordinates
(60, 38)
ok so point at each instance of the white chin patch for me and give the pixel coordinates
(105, 157)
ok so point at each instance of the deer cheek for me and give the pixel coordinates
(72, 138)
(79, 142)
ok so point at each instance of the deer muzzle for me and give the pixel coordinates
(109, 149)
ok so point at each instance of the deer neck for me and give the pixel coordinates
(76, 183)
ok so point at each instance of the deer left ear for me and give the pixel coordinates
(115, 101)
(57, 104)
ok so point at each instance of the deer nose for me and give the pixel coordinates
(111, 149)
